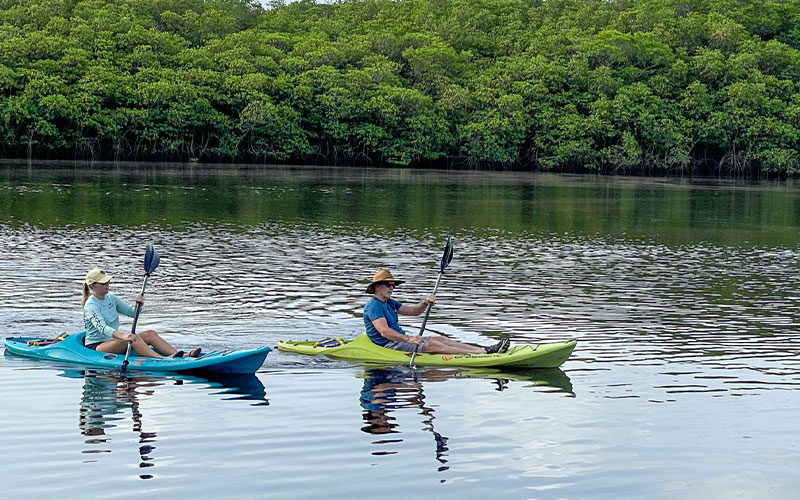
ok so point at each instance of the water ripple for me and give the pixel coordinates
(627, 303)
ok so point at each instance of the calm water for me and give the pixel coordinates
(683, 296)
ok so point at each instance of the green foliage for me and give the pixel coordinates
(635, 86)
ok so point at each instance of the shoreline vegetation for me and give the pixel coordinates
(637, 87)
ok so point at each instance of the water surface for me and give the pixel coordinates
(682, 295)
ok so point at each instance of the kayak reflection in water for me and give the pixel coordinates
(101, 310)
(385, 390)
(380, 320)
(103, 397)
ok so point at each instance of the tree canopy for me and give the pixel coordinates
(628, 86)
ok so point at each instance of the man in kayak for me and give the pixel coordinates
(101, 311)
(380, 319)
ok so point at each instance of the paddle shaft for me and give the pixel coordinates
(425, 321)
(133, 327)
(428, 310)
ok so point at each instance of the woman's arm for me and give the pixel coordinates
(123, 336)
(124, 308)
(94, 317)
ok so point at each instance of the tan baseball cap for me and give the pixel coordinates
(97, 276)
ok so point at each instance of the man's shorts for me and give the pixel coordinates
(407, 346)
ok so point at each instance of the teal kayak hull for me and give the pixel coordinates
(71, 350)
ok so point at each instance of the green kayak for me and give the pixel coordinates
(362, 349)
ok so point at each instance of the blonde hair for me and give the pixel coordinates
(86, 294)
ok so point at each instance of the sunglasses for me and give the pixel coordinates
(388, 284)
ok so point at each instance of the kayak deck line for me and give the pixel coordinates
(363, 349)
(72, 350)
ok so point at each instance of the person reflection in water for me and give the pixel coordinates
(386, 390)
(103, 398)
(383, 328)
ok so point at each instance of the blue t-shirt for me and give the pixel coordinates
(101, 317)
(375, 309)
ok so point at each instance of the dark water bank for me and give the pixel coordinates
(697, 170)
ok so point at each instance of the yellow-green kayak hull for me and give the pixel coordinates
(362, 349)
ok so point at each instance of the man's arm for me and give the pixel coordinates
(383, 328)
(417, 309)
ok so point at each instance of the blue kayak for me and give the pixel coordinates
(70, 349)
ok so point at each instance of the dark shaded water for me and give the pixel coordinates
(682, 295)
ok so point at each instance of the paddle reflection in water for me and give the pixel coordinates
(107, 396)
(389, 389)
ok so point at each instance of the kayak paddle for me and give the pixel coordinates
(446, 258)
(151, 261)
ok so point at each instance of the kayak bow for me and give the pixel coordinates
(71, 350)
(363, 349)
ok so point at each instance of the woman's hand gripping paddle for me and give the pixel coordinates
(446, 258)
(151, 261)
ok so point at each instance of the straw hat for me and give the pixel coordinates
(97, 276)
(382, 276)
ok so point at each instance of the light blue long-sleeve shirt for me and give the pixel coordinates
(101, 317)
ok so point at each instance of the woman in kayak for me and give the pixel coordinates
(101, 310)
(380, 319)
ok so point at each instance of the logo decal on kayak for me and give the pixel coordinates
(447, 358)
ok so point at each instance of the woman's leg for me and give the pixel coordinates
(162, 346)
(118, 346)
(152, 338)
(114, 346)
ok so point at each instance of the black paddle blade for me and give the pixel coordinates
(151, 259)
(448, 254)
